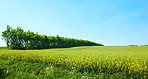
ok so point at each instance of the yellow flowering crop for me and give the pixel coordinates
(130, 59)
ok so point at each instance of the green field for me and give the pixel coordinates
(86, 62)
(3, 48)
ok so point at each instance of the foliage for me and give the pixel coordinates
(144, 45)
(133, 45)
(81, 62)
(20, 39)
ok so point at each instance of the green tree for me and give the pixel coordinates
(6, 35)
(20, 39)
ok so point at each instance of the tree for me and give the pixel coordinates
(20, 39)
(6, 35)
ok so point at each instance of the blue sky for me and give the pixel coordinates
(110, 22)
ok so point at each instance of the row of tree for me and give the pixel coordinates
(137, 45)
(20, 39)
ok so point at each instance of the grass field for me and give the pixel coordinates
(86, 62)
(3, 48)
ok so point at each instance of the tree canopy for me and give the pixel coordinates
(20, 39)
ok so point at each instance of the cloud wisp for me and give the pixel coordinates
(100, 41)
(61, 30)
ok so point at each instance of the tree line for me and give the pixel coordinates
(20, 39)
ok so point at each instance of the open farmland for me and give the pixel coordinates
(76, 62)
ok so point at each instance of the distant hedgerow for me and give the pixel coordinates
(20, 39)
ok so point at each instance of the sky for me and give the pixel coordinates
(109, 22)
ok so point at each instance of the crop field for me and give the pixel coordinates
(86, 62)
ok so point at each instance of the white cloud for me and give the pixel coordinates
(61, 30)
(100, 41)
(83, 38)
(43, 34)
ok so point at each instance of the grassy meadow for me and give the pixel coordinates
(85, 62)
